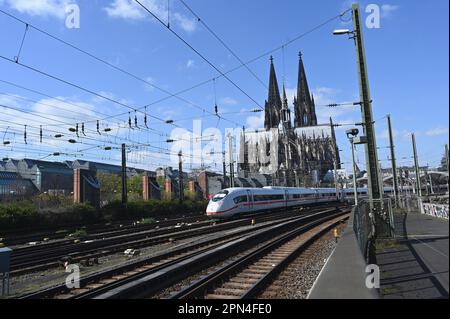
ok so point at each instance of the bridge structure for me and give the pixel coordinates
(436, 181)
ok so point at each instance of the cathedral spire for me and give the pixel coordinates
(285, 101)
(313, 111)
(273, 104)
(304, 112)
(286, 114)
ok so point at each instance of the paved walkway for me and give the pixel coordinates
(417, 266)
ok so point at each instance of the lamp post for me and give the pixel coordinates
(351, 134)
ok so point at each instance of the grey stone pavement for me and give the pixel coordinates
(417, 265)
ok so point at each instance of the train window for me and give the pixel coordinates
(240, 199)
(261, 198)
(219, 196)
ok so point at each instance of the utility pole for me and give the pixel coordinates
(124, 176)
(448, 169)
(180, 176)
(394, 165)
(230, 153)
(416, 164)
(355, 186)
(375, 189)
(224, 169)
(335, 150)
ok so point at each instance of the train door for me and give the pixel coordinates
(250, 200)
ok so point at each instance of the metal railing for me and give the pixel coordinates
(435, 210)
(373, 220)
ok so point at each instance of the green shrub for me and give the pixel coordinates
(25, 215)
(79, 233)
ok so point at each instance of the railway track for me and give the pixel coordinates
(156, 273)
(34, 258)
(100, 281)
(247, 276)
(24, 237)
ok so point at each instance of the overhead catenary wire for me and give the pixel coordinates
(197, 85)
(200, 55)
(223, 43)
(103, 61)
(230, 71)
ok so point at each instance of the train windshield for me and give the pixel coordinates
(219, 196)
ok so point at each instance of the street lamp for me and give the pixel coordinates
(342, 32)
(351, 134)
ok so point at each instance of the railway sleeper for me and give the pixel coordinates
(229, 291)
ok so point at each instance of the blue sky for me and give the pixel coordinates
(407, 64)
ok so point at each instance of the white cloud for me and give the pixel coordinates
(130, 10)
(148, 87)
(185, 23)
(228, 101)
(325, 96)
(125, 9)
(387, 10)
(190, 63)
(52, 8)
(255, 122)
(437, 131)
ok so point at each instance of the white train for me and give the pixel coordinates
(233, 201)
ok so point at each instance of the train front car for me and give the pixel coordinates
(222, 204)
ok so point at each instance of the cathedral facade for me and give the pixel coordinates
(295, 153)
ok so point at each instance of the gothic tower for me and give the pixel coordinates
(273, 104)
(305, 113)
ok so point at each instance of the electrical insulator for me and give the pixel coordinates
(98, 127)
(76, 129)
(82, 129)
(72, 141)
(216, 109)
(40, 134)
(25, 135)
(58, 135)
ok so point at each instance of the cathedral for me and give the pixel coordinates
(294, 153)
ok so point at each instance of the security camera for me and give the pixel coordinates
(352, 132)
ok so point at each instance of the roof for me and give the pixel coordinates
(9, 175)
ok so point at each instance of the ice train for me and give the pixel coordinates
(234, 201)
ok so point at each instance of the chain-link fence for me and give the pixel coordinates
(373, 220)
(407, 204)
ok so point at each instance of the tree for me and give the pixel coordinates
(110, 186)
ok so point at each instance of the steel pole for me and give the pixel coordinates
(416, 164)
(355, 186)
(393, 161)
(180, 177)
(230, 153)
(375, 189)
(448, 169)
(124, 176)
